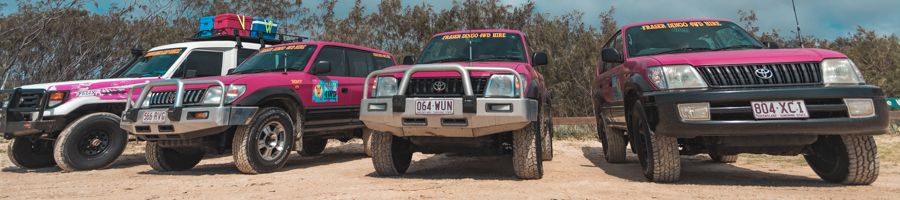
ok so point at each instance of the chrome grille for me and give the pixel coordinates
(168, 97)
(782, 74)
(424, 87)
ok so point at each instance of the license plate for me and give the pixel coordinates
(154, 117)
(434, 107)
(793, 109)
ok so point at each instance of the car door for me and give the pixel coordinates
(361, 63)
(612, 101)
(328, 89)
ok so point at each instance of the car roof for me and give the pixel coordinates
(336, 44)
(481, 31)
(206, 44)
(673, 20)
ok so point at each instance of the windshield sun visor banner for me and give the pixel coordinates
(680, 25)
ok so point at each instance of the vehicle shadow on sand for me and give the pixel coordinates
(331, 155)
(124, 161)
(704, 172)
(458, 166)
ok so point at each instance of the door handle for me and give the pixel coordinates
(344, 90)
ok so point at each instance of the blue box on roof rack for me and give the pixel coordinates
(264, 28)
(206, 26)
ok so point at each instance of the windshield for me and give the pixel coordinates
(693, 36)
(291, 57)
(152, 64)
(474, 47)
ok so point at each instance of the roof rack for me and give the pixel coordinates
(254, 36)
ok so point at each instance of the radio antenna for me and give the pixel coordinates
(797, 20)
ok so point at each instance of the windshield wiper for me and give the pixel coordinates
(453, 59)
(742, 46)
(683, 50)
(499, 58)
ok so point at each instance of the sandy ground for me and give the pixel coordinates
(342, 172)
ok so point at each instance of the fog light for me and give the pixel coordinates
(860, 108)
(694, 111)
(500, 107)
(377, 107)
(199, 115)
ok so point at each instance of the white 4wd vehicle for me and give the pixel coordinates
(75, 124)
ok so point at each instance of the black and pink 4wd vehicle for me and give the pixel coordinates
(470, 91)
(705, 86)
(305, 92)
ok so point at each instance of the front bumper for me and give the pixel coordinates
(731, 114)
(181, 124)
(459, 124)
(22, 114)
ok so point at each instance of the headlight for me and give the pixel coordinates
(502, 85)
(840, 71)
(56, 98)
(214, 94)
(385, 86)
(675, 77)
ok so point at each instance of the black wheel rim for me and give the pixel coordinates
(601, 133)
(94, 143)
(641, 140)
(824, 154)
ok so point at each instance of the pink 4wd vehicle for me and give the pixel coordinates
(686, 87)
(304, 92)
(72, 125)
(470, 91)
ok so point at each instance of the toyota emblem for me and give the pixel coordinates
(764, 73)
(439, 86)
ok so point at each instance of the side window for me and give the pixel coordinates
(200, 64)
(381, 63)
(243, 54)
(360, 63)
(336, 56)
(615, 43)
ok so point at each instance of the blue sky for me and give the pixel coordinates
(820, 18)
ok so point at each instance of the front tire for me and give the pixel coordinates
(546, 120)
(391, 155)
(526, 153)
(845, 159)
(613, 141)
(723, 158)
(30, 153)
(367, 141)
(168, 159)
(264, 145)
(93, 141)
(658, 154)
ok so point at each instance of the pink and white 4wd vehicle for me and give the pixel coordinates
(471, 91)
(72, 125)
(304, 92)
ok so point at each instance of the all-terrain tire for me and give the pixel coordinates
(723, 158)
(527, 162)
(169, 159)
(94, 141)
(367, 141)
(658, 154)
(845, 159)
(313, 146)
(391, 155)
(546, 119)
(613, 141)
(30, 153)
(251, 140)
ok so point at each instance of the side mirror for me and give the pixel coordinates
(771, 45)
(539, 58)
(137, 52)
(191, 73)
(611, 55)
(409, 60)
(321, 67)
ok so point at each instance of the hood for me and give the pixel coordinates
(228, 79)
(90, 84)
(753, 56)
(517, 66)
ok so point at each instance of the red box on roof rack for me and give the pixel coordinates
(242, 23)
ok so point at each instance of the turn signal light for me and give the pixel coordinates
(694, 111)
(199, 115)
(57, 96)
